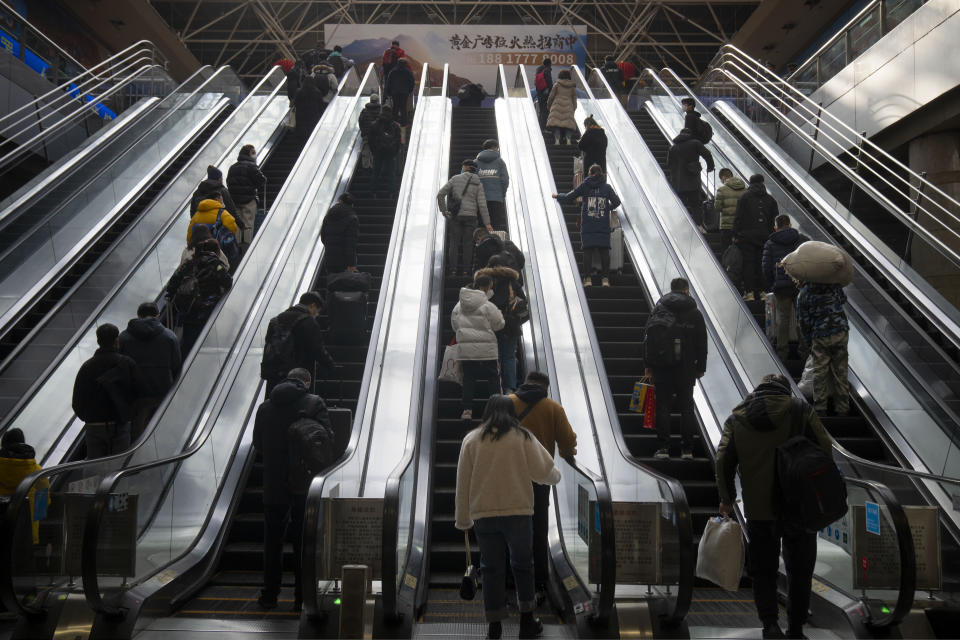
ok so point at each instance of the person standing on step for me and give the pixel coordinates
(493, 174)
(675, 357)
(309, 106)
(599, 202)
(506, 294)
(562, 103)
(543, 83)
(209, 188)
(245, 182)
(390, 58)
(752, 225)
(195, 288)
(399, 85)
(368, 116)
(613, 74)
(725, 202)
(475, 319)
(339, 233)
(781, 242)
(823, 325)
(384, 138)
(463, 203)
(683, 167)
(295, 340)
(693, 120)
(763, 421)
(499, 463)
(593, 144)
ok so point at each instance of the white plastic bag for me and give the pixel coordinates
(806, 380)
(450, 368)
(720, 557)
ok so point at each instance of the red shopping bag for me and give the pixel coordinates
(650, 409)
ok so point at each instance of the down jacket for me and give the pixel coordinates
(206, 213)
(339, 233)
(506, 285)
(493, 174)
(599, 199)
(562, 103)
(756, 212)
(473, 203)
(476, 321)
(725, 202)
(683, 162)
(156, 351)
(778, 246)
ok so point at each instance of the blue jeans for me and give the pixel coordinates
(495, 536)
(507, 352)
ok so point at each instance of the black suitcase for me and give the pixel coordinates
(348, 281)
(347, 314)
(341, 418)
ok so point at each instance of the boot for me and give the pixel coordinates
(530, 627)
(495, 630)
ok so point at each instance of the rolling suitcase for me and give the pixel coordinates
(341, 418)
(347, 315)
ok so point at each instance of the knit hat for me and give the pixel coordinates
(213, 173)
(374, 98)
(756, 179)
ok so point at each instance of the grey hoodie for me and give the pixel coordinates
(493, 175)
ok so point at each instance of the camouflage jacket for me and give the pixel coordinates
(820, 311)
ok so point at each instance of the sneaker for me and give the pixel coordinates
(466, 415)
(662, 454)
(772, 630)
(748, 297)
(686, 454)
(267, 602)
(605, 282)
(495, 630)
(702, 229)
(569, 141)
(530, 627)
(588, 281)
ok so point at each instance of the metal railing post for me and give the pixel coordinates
(856, 171)
(816, 133)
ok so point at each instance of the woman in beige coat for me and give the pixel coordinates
(562, 103)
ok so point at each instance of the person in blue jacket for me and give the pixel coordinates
(599, 201)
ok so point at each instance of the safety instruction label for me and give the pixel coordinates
(872, 517)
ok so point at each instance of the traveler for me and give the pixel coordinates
(209, 187)
(471, 95)
(547, 421)
(390, 57)
(337, 61)
(295, 340)
(206, 215)
(195, 288)
(782, 241)
(593, 144)
(543, 83)
(294, 76)
(499, 463)
(683, 166)
(506, 294)
(758, 425)
(368, 115)
(245, 181)
(315, 56)
(562, 103)
(613, 74)
(17, 461)
(384, 138)
(693, 120)
(476, 320)
(283, 500)
(752, 225)
(725, 203)
(488, 244)
(201, 233)
(156, 351)
(309, 104)
(338, 233)
(104, 393)
(326, 82)
(822, 324)
(629, 72)
(399, 85)
(675, 357)
(495, 179)
(463, 203)
(599, 202)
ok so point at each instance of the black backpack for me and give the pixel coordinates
(665, 339)
(310, 446)
(704, 132)
(810, 489)
(279, 350)
(187, 295)
(382, 138)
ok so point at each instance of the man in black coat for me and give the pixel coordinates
(209, 188)
(543, 94)
(384, 139)
(156, 351)
(339, 233)
(693, 119)
(783, 241)
(368, 115)
(283, 504)
(104, 394)
(309, 107)
(400, 84)
(300, 321)
(245, 182)
(613, 74)
(752, 225)
(683, 166)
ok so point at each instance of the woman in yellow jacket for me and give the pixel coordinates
(17, 461)
(206, 213)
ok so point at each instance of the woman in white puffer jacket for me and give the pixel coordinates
(476, 321)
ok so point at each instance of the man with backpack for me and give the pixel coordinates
(675, 357)
(399, 85)
(384, 138)
(613, 74)
(757, 439)
(195, 288)
(337, 61)
(294, 340)
(683, 167)
(693, 120)
(752, 225)
(391, 56)
(292, 432)
(245, 182)
(543, 83)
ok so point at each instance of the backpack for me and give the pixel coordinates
(310, 449)
(540, 81)
(226, 240)
(704, 132)
(337, 63)
(322, 83)
(382, 138)
(279, 351)
(454, 204)
(187, 295)
(810, 489)
(665, 339)
(389, 57)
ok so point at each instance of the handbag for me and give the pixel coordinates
(469, 584)
(720, 555)
(640, 390)
(450, 369)
(650, 409)
(453, 206)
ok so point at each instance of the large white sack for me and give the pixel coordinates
(720, 556)
(820, 262)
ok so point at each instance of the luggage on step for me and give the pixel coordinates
(341, 418)
(616, 246)
(711, 217)
(347, 313)
(720, 556)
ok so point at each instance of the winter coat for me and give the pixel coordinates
(599, 199)
(820, 311)
(476, 319)
(384, 137)
(613, 74)
(725, 202)
(368, 116)
(206, 213)
(400, 82)
(17, 461)
(329, 80)
(683, 163)
(751, 435)
(309, 106)
(778, 245)
(156, 351)
(105, 387)
(562, 103)
(293, 81)
(339, 233)
(692, 121)
(495, 477)
(506, 288)
(336, 60)
(493, 175)
(491, 246)
(756, 211)
(213, 278)
(188, 253)
(307, 337)
(208, 189)
(593, 144)
(391, 58)
(468, 189)
(244, 179)
(547, 420)
(288, 402)
(684, 309)
(732, 261)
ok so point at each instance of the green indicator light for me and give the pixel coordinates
(884, 609)
(337, 602)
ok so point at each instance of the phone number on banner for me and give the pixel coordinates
(527, 58)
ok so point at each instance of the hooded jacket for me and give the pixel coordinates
(562, 103)
(547, 420)
(756, 211)
(547, 75)
(208, 189)
(613, 74)
(820, 311)
(778, 245)
(751, 435)
(683, 162)
(156, 351)
(506, 286)
(599, 199)
(339, 233)
(309, 107)
(244, 179)
(17, 461)
(725, 202)
(593, 144)
(307, 337)
(207, 214)
(493, 175)
(384, 136)
(468, 189)
(368, 116)
(213, 279)
(684, 309)
(400, 81)
(288, 402)
(106, 380)
(476, 321)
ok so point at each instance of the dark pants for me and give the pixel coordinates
(591, 255)
(106, 438)
(799, 556)
(541, 544)
(384, 173)
(281, 522)
(752, 278)
(191, 331)
(498, 215)
(144, 408)
(674, 393)
(474, 370)
(461, 244)
(693, 201)
(400, 101)
(726, 238)
(495, 536)
(543, 110)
